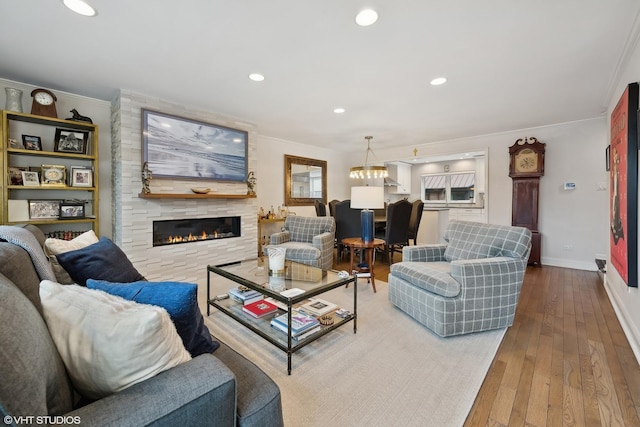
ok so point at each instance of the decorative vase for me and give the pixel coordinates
(276, 260)
(14, 99)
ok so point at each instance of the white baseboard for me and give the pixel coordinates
(629, 329)
(569, 263)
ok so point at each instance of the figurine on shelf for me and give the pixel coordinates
(77, 117)
(146, 178)
(251, 183)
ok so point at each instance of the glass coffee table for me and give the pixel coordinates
(254, 274)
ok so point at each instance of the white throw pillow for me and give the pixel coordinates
(53, 247)
(108, 343)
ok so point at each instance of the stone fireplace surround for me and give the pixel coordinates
(133, 216)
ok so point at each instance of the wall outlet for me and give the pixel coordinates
(568, 247)
(601, 186)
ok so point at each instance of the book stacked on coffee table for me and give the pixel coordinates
(259, 308)
(244, 295)
(302, 324)
(318, 307)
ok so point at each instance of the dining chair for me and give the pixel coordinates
(414, 221)
(332, 207)
(348, 224)
(321, 209)
(380, 213)
(396, 233)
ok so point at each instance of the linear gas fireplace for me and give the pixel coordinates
(171, 232)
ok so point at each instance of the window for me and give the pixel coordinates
(435, 188)
(456, 187)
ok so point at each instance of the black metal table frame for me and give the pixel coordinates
(290, 302)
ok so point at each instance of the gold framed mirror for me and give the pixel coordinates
(305, 181)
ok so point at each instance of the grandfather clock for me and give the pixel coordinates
(525, 168)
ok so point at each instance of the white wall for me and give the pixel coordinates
(574, 152)
(100, 113)
(625, 300)
(270, 172)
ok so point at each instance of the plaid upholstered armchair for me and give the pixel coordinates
(308, 240)
(470, 284)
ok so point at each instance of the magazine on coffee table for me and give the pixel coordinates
(318, 307)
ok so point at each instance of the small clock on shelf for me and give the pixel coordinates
(527, 158)
(44, 103)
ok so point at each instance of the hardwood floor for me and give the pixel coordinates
(564, 362)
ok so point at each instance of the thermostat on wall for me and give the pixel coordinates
(569, 185)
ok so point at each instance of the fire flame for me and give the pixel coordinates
(192, 238)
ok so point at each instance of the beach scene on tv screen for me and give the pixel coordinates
(179, 147)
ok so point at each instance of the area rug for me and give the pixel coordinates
(393, 371)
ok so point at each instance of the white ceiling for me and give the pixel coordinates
(510, 64)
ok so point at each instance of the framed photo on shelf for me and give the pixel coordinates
(71, 210)
(31, 142)
(178, 147)
(81, 177)
(30, 179)
(15, 175)
(17, 210)
(44, 209)
(71, 141)
(54, 175)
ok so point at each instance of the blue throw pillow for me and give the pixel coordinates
(103, 260)
(179, 299)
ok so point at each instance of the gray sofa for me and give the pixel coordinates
(219, 389)
(470, 284)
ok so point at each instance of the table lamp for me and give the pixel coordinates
(366, 198)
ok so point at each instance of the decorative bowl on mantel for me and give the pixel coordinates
(201, 190)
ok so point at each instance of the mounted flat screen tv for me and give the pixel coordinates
(178, 147)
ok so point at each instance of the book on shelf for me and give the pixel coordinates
(260, 308)
(245, 296)
(299, 336)
(318, 307)
(300, 322)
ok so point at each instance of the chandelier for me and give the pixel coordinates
(366, 170)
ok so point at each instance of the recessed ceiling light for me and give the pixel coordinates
(366, 17)
(339, 110)
(438, 81)
(80, 7)
(256, 77)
